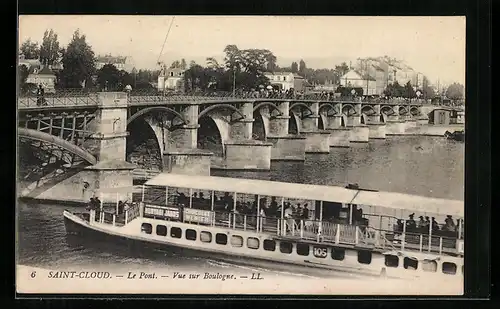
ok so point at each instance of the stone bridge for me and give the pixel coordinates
(86, 135)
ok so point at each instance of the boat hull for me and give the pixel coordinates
(325, 267)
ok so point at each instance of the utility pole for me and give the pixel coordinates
(234, 81)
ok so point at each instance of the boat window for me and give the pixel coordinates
(269, 245)
(146, 228)
(391, 260)
(253, 243)
(236, 241)
(190, 234)
(303, 249)
(449, 268)
(364, 257)
(338, 254)
(206, 236)
(175, 232)
(286, 247)
(429, 265)
(221, 239)
(161, 230)
(410, 263)
(320, 252)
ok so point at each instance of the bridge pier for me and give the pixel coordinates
(339, 135)
(395, 126)
(241, 151)
(317, 141)
(376, 129)
(359, 133)
(286, 147)
(108, 145)
(181, 155)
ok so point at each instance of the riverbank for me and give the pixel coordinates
(432, 130)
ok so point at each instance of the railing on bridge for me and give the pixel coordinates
(81, 97)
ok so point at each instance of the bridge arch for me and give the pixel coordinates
(322, 121)
(330, 107)
(383, 118)
(146, 143)
(414, 111)
(403, 110)
(148, 110)
(220, 106)
(386, 110)
(346, 108)
(368, 110)
(301, 104)
(30, 134)
(213, 133)
(271, 105)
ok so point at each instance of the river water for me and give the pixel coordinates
(428, 166)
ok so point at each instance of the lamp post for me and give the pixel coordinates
(234, 81)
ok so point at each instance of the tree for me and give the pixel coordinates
(183, 64)
(455, 92)
(22, 74)
(394, 90)
(78, 61)
(409, 92)
(108, 77)
(341, 69)
(295, 67)
(427, 90)
(175, 64)
(30, 49)
(49, 50)
(302, 67)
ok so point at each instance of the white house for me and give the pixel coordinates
(170, 79)
(119, 62)
(355, 80)
(44, 77)
(286, 80)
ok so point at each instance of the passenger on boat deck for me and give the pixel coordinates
(181, 198)
(273, 207)
(411, 225)
(421, 222)
(435, 225)
(305, 212)
(427, 222)
(449, 224)
(121, 206)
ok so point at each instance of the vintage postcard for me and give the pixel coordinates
(240, 155)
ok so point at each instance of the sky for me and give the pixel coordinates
(434, 46)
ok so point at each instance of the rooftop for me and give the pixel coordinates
(112, 59)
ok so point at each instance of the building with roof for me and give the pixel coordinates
(355, 79)
(42, 76)
(171, 79)
(120, 62)
(287, 80)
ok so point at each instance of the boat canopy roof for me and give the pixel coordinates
(337, 194)
(114, 190)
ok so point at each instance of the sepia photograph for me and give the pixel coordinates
(240, 155)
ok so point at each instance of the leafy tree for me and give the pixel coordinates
(341, 69)
(302, 66)
(30, 49)
(427, 90)
(455, 92)
(78, 61)
(183, 64)
(295, 67)
(409, 92)
(49, 50)
(394, 90)
(22, 74)
(176, 64)
(108, 77)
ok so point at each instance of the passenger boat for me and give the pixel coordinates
(343, 230)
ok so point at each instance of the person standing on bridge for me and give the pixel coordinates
(40, 92)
